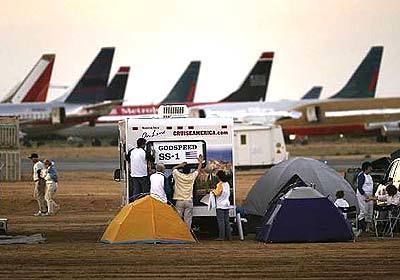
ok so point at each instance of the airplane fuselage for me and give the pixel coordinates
(352, 116)
(36, 117)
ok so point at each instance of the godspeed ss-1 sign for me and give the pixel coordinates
(175, 152)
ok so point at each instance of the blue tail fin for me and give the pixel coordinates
(254, 87)
(117, 86)
(92, 85)
(362, 83)
(185, 88)
(313, 93)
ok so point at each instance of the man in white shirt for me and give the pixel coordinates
(139, 180)
(40, 184)
(157, 184)
(365, 197)
(183, 189)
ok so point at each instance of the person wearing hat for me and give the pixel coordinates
(51, 178)
(40, 185)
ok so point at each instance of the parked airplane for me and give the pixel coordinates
(362, 84)
(378, 116)
(252, 89)
(87, 100)
(35, 85)
(106, 126)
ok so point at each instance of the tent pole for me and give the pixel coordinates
(239, 225)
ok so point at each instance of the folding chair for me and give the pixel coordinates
(381, 220)
(351, 215)
(394, 217)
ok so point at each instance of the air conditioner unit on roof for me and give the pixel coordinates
(173, 111)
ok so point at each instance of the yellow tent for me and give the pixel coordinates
(147, 220)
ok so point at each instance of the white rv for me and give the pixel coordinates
(258, 145)
(179, 139)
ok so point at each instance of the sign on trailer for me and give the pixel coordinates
(172, 153)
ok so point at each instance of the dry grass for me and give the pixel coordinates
(72, 152)
(323, 149)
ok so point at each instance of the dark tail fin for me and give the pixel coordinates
(254, 87)
(185, 87)
(313, 93)
(92, 85)
(362, 83)
(117, 86)
(35, 86)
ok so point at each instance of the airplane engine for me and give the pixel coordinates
(314, 114)
(58, 115)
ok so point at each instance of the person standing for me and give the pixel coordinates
(138, 179)
(222, 193)
(157, 184)
(51, 177)
(183, 189)
(364, 196)
(40, 185)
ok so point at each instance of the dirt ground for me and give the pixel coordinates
(90, 200)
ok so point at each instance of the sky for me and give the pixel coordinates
(315, 42)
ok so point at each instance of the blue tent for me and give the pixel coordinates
(304, 215)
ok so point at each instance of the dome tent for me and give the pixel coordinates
(304, 215)
(312, 172)
(147, 220)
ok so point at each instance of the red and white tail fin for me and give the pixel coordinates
(35, 86)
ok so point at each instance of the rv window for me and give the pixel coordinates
(243, 139)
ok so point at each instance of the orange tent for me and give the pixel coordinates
(147, 220)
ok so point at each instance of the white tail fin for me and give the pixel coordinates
(35, 86)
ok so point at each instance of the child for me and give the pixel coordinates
(341, 202)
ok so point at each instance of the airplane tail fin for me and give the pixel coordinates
(116, 88)
(254, 87)
(35, 86)
(185, 88)
(92, 86)
(313, 93)
(362, 83)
